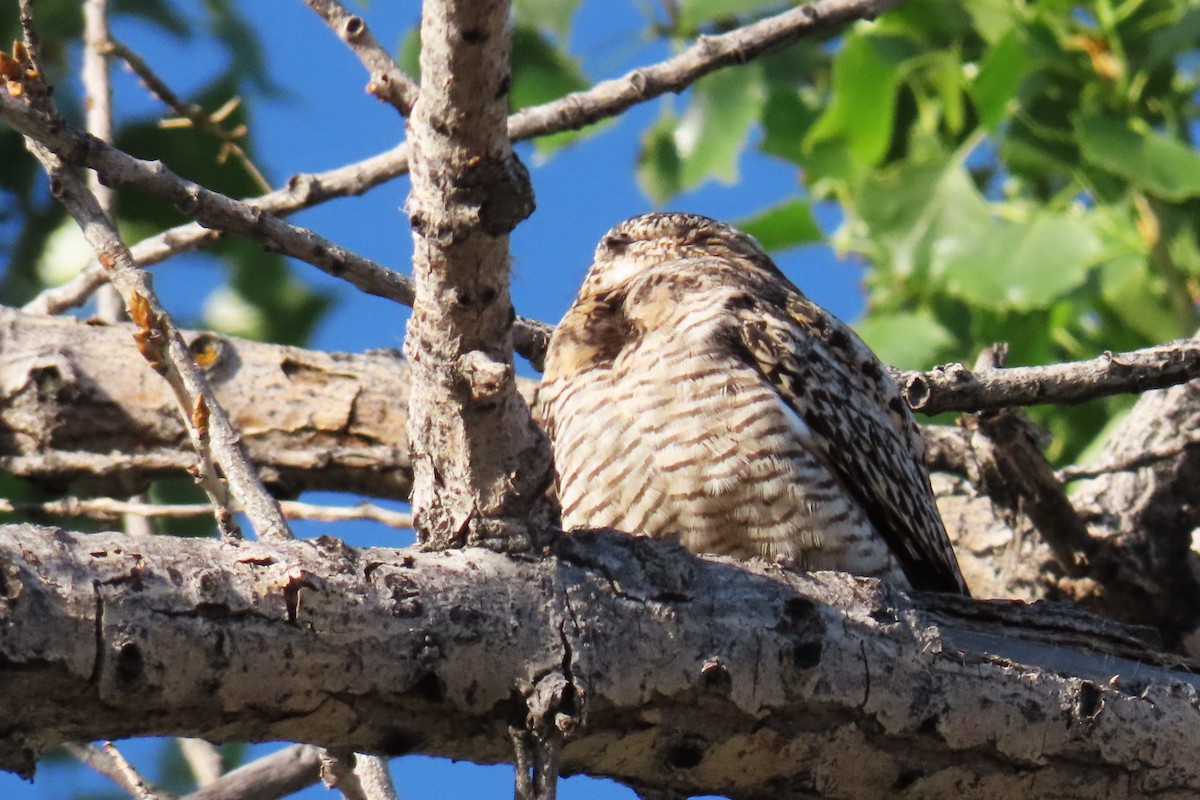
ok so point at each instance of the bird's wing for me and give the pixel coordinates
(867, 436)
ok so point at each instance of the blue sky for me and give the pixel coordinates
(324, 119)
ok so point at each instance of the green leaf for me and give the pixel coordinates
(659, 167)
(551, 15)
(789, 224)
(1023, 266)
(905, 339)
(1138, 298)
(1001, 73)
(410, 52)
(913, 213)
(694, 12)
(714, 129)
(541, 72)
(1159, 164)
(785, 120)
(866, 76)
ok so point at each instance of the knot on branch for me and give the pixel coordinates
(486, 192)
(486, 379)
(507, 194)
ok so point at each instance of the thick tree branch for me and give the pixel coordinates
(73, 411)
(479, 459)
(78, 405)
(745, 681)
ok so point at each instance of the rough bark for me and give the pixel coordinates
(479, 460)
(77, 405)
(746, 681)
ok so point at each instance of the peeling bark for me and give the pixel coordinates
(77, 405)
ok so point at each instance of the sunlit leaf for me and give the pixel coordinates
(1000, 76)
(915, 214)
(866, 76)
(789, 224)
(714, 129)
(905, 339)
(552, 15)
(1022, 266)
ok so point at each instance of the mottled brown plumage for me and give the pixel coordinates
(692, 390)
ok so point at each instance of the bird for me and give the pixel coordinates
(692, 391)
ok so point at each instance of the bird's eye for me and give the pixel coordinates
(616, 241)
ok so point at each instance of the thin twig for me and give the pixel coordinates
(955, 388)
(337, 772)
(203, 759)
(1145, 458)
(109, 762)
(107, 508)
(213, 209)
(357, 776)
(192, 114)
(215, 441)
(707, 54)
(388, 82)
(97, 89)
(302, 191)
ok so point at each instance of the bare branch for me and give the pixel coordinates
(955, 388)
(388, 82)
(192, 114)
(479, 460)
(214, 440)
(211, 208)
(97, 104)
(203, 759)
(707, 54)
(812, 679)
(110, 509)
(1131, 461)
(109, 762)
(269, 778)
(302, 191)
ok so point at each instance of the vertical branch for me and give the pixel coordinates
(97, 102)
(479, 461)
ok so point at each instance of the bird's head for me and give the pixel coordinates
(643, 242)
